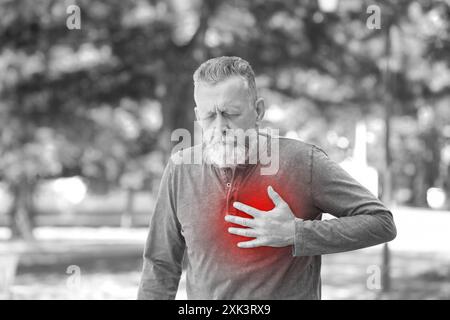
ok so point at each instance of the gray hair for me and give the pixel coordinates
(218, 69)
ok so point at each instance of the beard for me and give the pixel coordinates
(225, 154)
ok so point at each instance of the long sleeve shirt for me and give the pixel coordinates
(189, 218)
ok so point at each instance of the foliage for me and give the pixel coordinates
(100, 102)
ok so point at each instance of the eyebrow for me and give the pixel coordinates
(232, 104)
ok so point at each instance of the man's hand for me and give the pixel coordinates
(274, 228)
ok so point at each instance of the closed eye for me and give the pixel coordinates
(208, 116)
(231, 114)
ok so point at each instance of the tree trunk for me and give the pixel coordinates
(126, 219)
(22, 212)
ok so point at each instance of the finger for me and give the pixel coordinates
(276, 198)
(250, 233)
(252, 243)
(247, 209)
(239, 220)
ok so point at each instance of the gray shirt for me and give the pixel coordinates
(189, 218)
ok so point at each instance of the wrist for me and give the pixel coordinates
(297, 247)
(290, 234)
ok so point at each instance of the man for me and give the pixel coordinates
(249, 235)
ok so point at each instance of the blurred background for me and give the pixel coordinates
(86, 114)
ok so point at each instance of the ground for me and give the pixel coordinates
(105, 263)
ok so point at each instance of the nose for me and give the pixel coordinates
(221, 123)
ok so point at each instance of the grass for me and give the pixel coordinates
(109, 261)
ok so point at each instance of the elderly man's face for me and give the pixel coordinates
(222, 108)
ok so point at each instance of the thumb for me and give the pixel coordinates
(274, 196)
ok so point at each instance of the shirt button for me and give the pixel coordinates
(228, 184)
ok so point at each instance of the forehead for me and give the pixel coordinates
(233, 90)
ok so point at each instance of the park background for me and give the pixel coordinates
(86, 116)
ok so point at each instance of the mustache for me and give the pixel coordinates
(231, 143)
(216, 139)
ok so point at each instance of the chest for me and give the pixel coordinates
(209, 196)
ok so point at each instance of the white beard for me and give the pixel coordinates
(225, 155)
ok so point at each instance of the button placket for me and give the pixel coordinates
(229, 187)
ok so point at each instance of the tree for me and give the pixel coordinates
(101, 101)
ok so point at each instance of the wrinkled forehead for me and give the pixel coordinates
(231, 91)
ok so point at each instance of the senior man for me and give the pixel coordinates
(249, 235)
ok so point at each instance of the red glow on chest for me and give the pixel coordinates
(255, 195)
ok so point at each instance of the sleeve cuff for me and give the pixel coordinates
(297, 247)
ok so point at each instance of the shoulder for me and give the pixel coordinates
(186, 156)
(299, 155)
(296, 148)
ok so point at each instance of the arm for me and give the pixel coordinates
(164, 247)
(363, 220)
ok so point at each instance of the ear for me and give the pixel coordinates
(260, 108)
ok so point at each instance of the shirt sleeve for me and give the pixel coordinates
(165, 245)
(362, 220)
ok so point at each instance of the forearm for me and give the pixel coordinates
(158, 282)
(316, 237)
(162, 266)
(164, 247)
